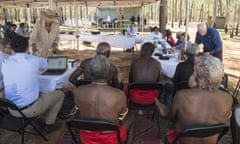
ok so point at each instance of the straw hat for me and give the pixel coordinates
(48, 14)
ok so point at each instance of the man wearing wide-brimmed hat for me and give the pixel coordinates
(45, 35)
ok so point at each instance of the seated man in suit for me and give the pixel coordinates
(204, 103)
(144, 69)
(21, 85)
(103, 48)
(98, 100)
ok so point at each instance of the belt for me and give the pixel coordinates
(27, 106)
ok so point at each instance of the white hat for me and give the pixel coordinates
(48, 14)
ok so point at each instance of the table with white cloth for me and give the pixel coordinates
(168, 67)
(49, 83)
(118, 41)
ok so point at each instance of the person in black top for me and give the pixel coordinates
(183, 71)
(10, 33)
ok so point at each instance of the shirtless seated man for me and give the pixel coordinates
(98, 100)
(103, 48)
(204, 103)
(144, 69)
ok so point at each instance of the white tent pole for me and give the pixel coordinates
(28, 17)
(50, 3)
(142, 17)
(77, 28)
(186, 26)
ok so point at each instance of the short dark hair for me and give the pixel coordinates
(13, 25)
(147, 49)
(21, 24)
(183, 34)
(19, 44)
(168, 32)
(104, 48)
(155, 28)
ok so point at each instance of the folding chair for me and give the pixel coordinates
(16, 124)
(203, 131)
(151, 107)
(82, 82)
(91, 125)
(235, 125)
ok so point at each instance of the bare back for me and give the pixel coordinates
(197, 106)
(100, 102)
(145, 69)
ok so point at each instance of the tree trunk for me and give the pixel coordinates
(238, 20)
(191, 15)
(227, 16)
(201, 12)
(220, 10)
(214, 13)
(180, 13)
(234, 18)
(162, 16)
(173, 12)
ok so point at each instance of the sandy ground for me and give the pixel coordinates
(123, 60)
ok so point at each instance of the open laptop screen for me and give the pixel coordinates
(57, 63)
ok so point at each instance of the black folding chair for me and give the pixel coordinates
(91, 125)
(151, 107)
(82, 82)
(16, 124)
(203, 131)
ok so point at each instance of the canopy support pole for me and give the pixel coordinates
(186, 26)
(77, 28)
(142, 8)
(50, 3)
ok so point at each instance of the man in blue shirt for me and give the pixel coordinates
(21, 85)
(211, 40)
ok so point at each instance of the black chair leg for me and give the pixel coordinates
(39, 132)
(158, 125)
(22, 137)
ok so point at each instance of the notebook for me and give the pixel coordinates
(57, 65)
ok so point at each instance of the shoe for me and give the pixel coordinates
(39, 122)
(52, 127)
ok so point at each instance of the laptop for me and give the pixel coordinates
(57, 65)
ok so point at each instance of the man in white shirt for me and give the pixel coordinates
(132, 30)
(45, 35)
(5, 51)
(20, 31)
(21, 84)
(155, 34)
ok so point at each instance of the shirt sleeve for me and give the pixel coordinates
(216, 41)
(34, 34)
(197, 39)
(56, 40)
(43, 64)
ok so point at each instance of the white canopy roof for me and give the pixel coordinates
(88, 3)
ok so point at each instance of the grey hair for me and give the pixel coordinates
(192, 50)
(201, 25)
(100, 67)
(209, 72)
